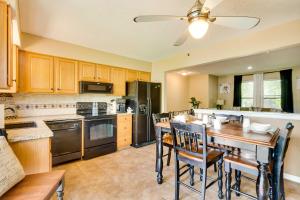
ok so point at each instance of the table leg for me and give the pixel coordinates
(159, 155)
(262, 183)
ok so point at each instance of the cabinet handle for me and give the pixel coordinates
(58, 89)
(52, 88)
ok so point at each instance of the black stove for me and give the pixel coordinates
(99, 129)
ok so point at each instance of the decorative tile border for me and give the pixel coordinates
(44, 106)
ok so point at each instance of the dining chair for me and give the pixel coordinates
(190, 147)
(181, 112)
(167, 138)
(250, 166)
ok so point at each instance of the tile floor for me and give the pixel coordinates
(129, 175)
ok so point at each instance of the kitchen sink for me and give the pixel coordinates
(20, 125)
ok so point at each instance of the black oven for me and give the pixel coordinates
(95, 87)
(99, 136)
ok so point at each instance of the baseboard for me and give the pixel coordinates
(290, 177)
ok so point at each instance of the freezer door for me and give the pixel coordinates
(140, 130)
(155, 106)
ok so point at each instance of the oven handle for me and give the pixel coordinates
(92, 120)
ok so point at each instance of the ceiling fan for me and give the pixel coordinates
(199, 19)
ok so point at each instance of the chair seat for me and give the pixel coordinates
(212, 156)
(242, 161)
(168, 139)
(36, 186)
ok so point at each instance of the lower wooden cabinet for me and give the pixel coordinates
(34, 155)
(124, 130)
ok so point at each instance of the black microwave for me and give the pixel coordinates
(95, 87)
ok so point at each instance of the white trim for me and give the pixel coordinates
(291, 177)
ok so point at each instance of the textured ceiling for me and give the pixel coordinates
(107, 24)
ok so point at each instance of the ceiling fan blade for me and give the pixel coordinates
(210, 4)
(182, 39)
(237, 22)
(154, 18)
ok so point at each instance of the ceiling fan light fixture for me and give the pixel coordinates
(198, 28)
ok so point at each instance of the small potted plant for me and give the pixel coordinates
(195, 103)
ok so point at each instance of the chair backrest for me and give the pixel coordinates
(189, 138)
(232, 118)
(283, 143)
(181, 112)
(159, 117)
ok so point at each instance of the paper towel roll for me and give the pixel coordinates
(1, 115)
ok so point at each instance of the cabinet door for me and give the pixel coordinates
(103, 73)
(145, 76)
(3, 46)
(124, 130)
(66, 76)
(37, 73)
(87, 71)
(132, 75)
(118, 78)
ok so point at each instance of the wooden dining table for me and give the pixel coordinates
(233, 135)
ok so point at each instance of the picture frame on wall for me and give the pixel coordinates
(224, 88)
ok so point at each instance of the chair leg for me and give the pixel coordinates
(201, 174)
(228, 180)
(177, 184)
(60, 191)
(215, 167)
(220, 179)
(238, 181)
(282, 184)
(204, 178)
(192, 172)
(169, 156)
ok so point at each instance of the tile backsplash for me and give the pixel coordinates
(42, 104)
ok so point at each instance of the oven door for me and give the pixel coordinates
(99, 131)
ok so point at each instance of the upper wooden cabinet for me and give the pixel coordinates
(36, 73)
(87, 71)
(132, 75)
(144, 76)
(66, 76)
(6, 47)
(46, 74)
(103, 73)
(93, 72)
(118, 78)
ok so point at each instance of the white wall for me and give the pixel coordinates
(62, 49)
(273, 38)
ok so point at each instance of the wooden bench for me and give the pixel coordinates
(38, 187)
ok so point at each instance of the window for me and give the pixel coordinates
(247, 93)
(272, 94)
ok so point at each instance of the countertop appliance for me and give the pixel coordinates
(144, 99)
(66, 141)
(99, 129)
(121, 105)
(95, 87)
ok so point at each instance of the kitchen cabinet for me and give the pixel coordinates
(124, 130)
(144, 76)
(118, 78)
(103, 73)
(6, 47)
(36, 73)
(87, 71)
(132, 75)
(34, 155)
(66, 76)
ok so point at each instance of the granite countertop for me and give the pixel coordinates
(40, 131)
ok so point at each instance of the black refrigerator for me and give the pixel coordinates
(144, 99)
